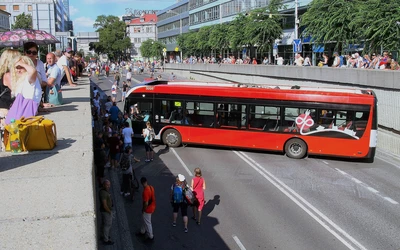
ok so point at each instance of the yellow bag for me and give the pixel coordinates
(35, 133)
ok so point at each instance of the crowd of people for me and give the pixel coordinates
(114, 150)
(29, 86)
(354, 60)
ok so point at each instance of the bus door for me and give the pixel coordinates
(200, 118)
(169, 112)
(140, 112)
(265, 123)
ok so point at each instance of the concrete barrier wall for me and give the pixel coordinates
(385, 83)
(359, 77)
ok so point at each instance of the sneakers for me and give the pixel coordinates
(173, 224)
(127, 194)
(186, 230)
(194, 218)
(151, 159)
(147, 160)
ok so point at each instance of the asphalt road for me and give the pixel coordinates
(258, 200)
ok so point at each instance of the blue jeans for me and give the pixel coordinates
(127, 144)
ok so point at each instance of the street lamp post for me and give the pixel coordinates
(180, 27)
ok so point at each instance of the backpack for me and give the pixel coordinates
(125, 162)
(151, 135)
(177, 194)
(190, 197)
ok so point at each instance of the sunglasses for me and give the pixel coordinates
(31, 52)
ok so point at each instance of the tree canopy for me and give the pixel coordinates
(344, 22)
(112, 38)
(22, 21)
(255, 28)
(151, 49)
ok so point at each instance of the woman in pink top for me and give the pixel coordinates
(198, 187)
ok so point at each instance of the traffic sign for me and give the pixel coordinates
(297, 45)
(176, 49)
(164, 50)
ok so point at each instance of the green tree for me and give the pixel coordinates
(329, 21)
(263, 26)
(112, 38)
(188, 43)
(219, 40)
(379, 29)
(22, 21)
(203, 37)
(152, 49)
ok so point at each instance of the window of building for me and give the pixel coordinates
(149, 29)
(3, 7)
(15, 7)
(29, 7)
(137, 30)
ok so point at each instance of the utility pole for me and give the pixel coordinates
(296, 25)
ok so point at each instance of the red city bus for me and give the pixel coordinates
(297, 121)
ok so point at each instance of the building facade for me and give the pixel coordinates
(4, 21)
(173, 21)
(140, 29)
(48, 15)
(200, 13)
(83, 39)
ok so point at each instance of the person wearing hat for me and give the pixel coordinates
(63, 64)
(178, 200)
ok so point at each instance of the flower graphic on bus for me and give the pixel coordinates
(304, 122)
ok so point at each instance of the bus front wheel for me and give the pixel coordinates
(172, 138)
(295, 148)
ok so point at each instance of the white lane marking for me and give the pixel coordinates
(181, 161)
(391, 200)
(340, 171)
(307, 207)
(325, 162)
(371, 189)
(238, 242)
(356, 180)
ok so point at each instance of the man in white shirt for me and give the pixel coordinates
(298, 60)
(129, 76)
(63, 64)
(279, 60)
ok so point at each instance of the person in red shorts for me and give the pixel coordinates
(198, 186)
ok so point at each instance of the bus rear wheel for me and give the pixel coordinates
(172, 138)
(295, 148)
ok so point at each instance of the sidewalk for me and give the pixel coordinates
(48, 196)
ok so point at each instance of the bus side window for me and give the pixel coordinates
(264, 118)
(360, 124)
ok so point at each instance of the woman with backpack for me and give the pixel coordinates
(178, 201)
(148, 134)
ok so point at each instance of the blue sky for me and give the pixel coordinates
(84, 12)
